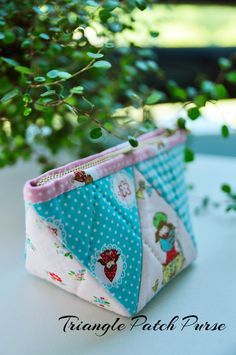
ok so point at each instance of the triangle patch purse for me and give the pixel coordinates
(113, 228)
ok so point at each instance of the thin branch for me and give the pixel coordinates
(87, 67)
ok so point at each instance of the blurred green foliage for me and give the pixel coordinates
(65, 86)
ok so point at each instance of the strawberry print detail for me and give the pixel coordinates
(81, 176)
(108, 264)
(108, 259)
(101, 302)
(55, 277)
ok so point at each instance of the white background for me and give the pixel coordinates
(30, 307)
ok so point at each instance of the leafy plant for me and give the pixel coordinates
(66, 86)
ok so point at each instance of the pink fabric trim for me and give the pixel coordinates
(51, 189)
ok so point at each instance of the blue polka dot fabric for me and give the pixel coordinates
(165, 173)
(99, 224)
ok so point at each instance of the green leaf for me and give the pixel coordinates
(19, 141)
(52, 74)
(2, 36)
(133, 141)
(102, 64)
(155, 97)
(9, 95)
(224, 63)
(231, 76)
(221, 92)
(205, 201)
(230, 208)
(188, 155)
(26, 98)
(225, 131)
(64, 75)
(96, 133)
(10, 61)
(48, 93)
(181, 123)
(141, 4)
(226, 188)
(176, 91)
(26, 43)
(44, 36)
(141, 64)
(200, 100)
(95, 55)
(23, 70)
(193, 113)
(39, 79)
(110, 5)
(154, 34)
(208, 87)
(92, 3)
(77, 90)
(27, 111)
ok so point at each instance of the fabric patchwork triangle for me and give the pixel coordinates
(167, 246)
(48, 259)
(165, 173)
(99, 224)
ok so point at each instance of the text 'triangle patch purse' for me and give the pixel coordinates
(112, 228)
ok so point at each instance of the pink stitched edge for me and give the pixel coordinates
(51, 189)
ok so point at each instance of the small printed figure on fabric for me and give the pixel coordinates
(81, 176)
(143, 187)
(166, 236)
(155, 286)
(108, 259)
(101, 302)
(124, 189)
(69, 255)
(60, 249)
(55, 277)
(108, 264)
(53, 230)
(56, 227)
(79, 276)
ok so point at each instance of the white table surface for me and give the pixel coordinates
(30, 307)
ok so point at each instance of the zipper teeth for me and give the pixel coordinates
(94, 162)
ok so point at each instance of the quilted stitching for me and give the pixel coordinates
(103, 232)
(165, 173)
(99, 223)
